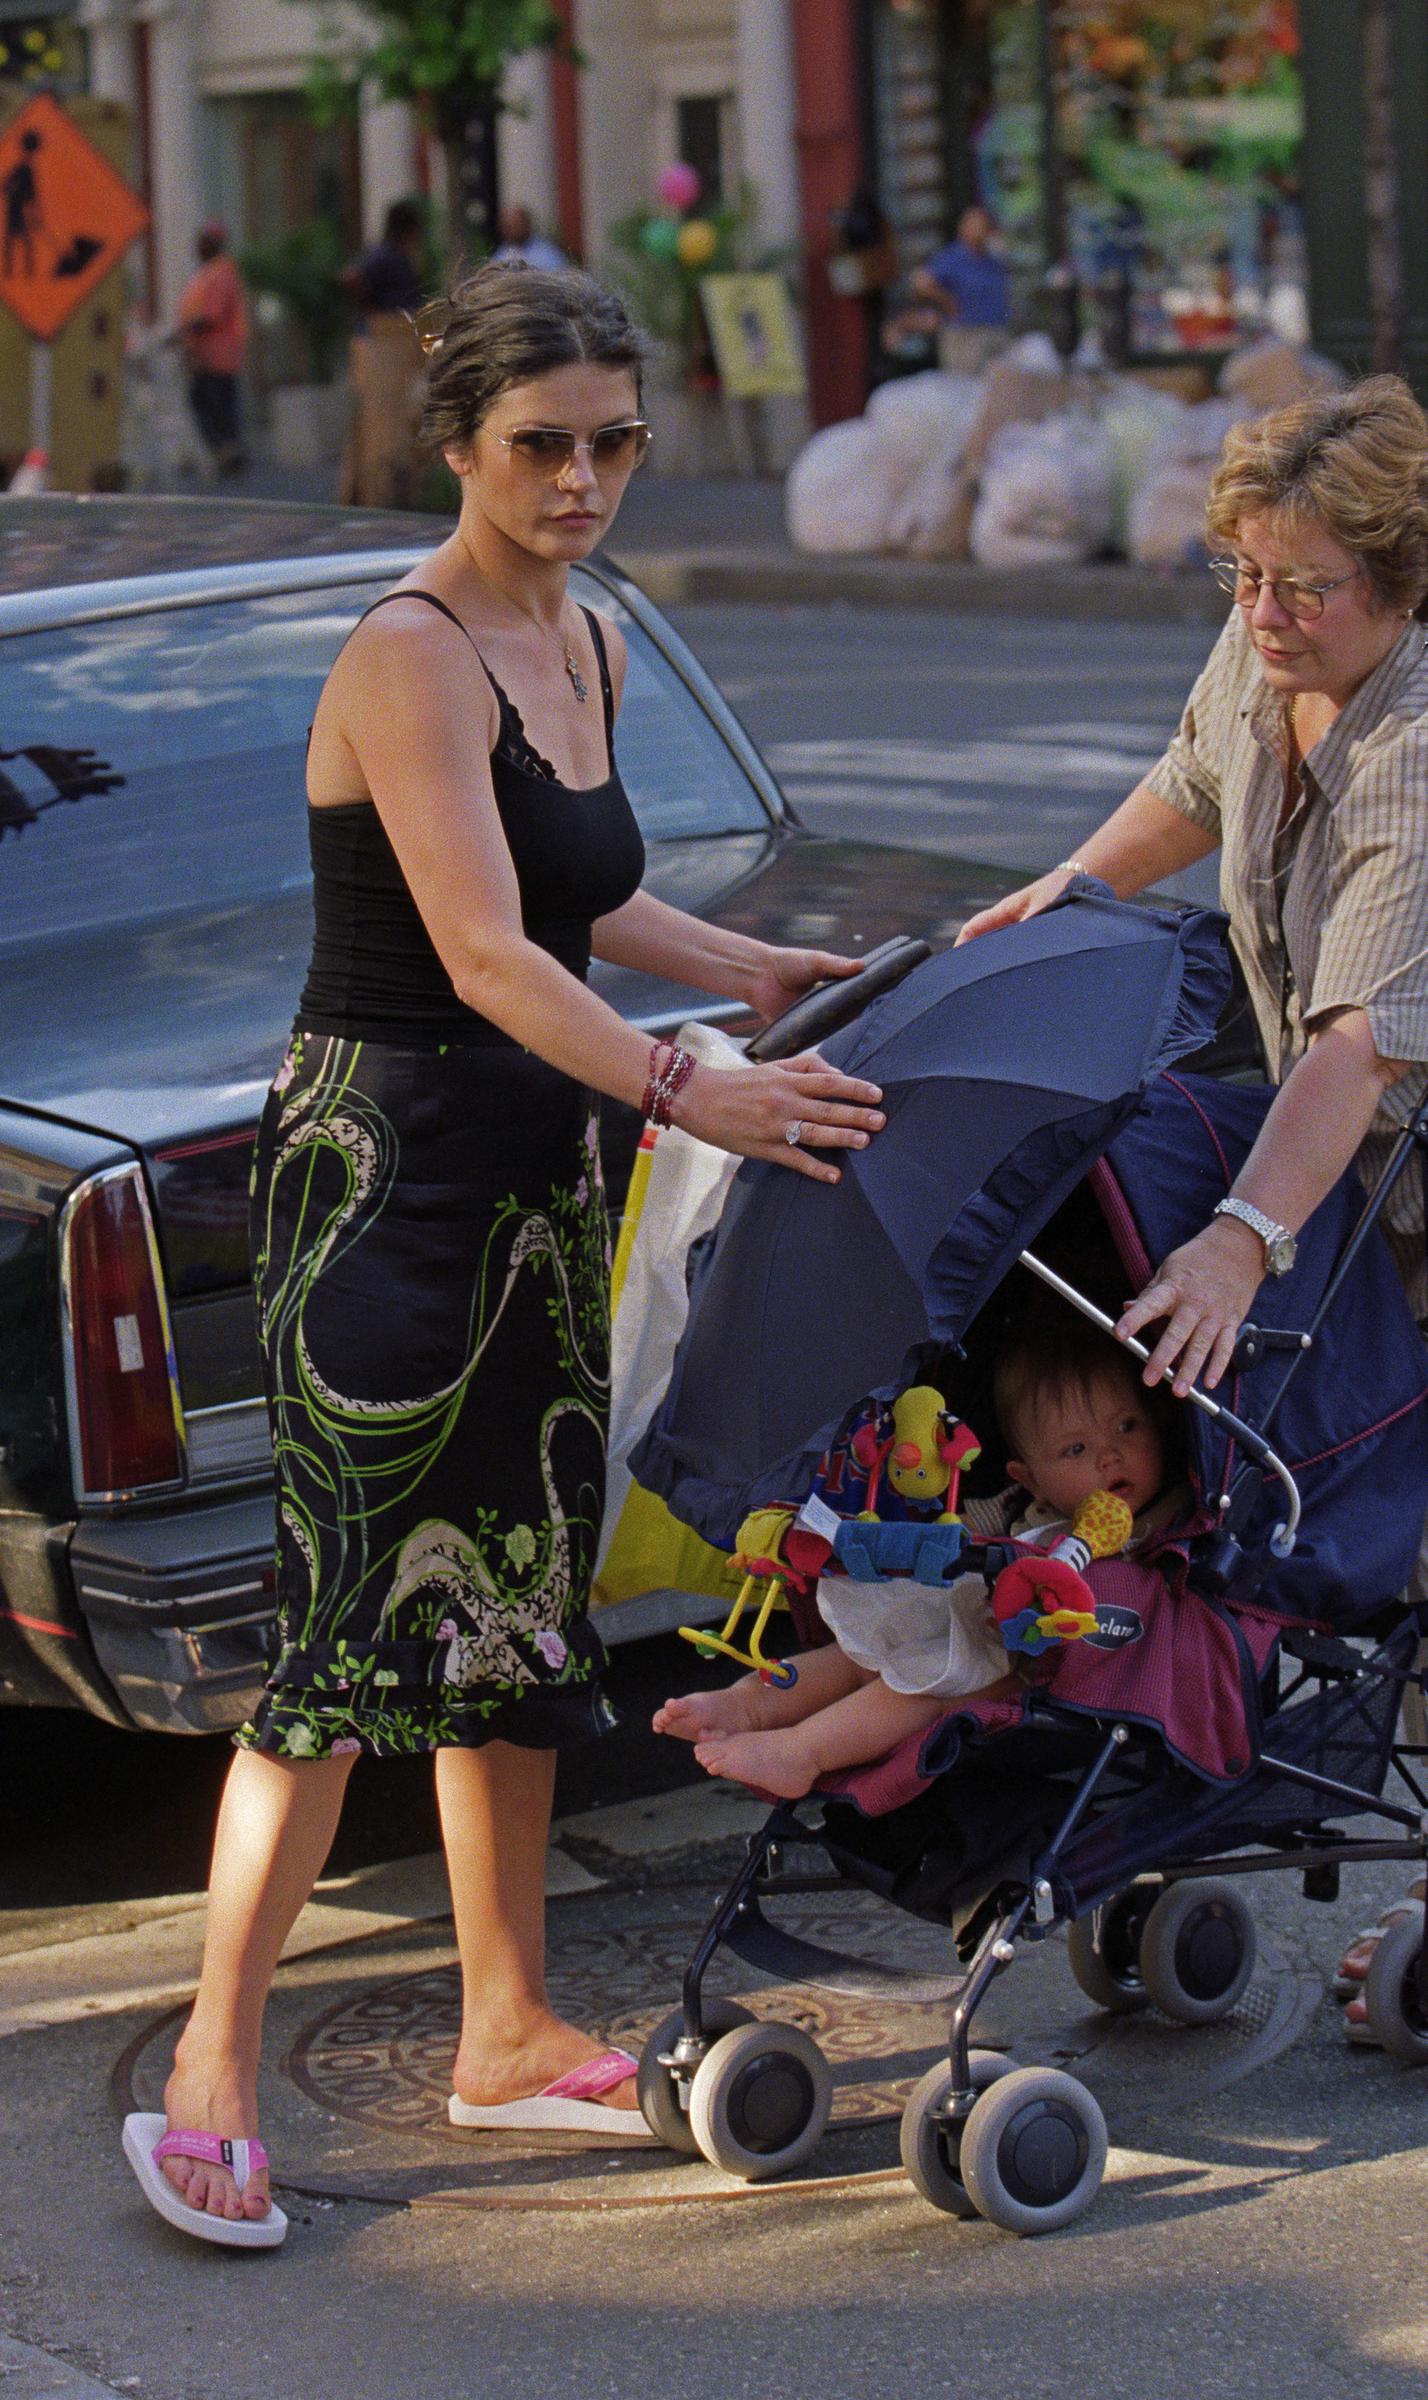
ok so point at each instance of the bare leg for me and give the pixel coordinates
(275, 1828)
(751, 1705)
(862, 1726)
(495, 1824)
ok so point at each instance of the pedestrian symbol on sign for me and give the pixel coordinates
(69, 216)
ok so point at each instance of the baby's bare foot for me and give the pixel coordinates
(775, 1762)
(696, 1714)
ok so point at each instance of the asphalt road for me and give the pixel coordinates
(1000, 739)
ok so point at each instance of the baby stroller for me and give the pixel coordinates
(1045, 1129)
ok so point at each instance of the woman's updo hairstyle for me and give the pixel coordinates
(1356, 462)
(506, 324)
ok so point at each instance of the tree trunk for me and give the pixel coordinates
(1381, 188)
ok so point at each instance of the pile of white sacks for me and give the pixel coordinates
(1029, 464)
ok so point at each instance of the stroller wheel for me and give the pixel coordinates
(1104, 1950)
(931, 2148)
(760, 2101)
(1396, 2014)
(1034, 2150)
(1197, 1952)
(659, 2099)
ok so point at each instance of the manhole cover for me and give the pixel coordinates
(367, 2033)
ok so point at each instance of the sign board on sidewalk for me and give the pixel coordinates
(66, 217)
(755, 340)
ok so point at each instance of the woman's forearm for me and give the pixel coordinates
(659, 940)
(1323, 1111)
(1143, 842)
(534, 999)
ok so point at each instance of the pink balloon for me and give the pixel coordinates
(679, 186)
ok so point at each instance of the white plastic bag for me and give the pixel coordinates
(841, 489)
(1167, 516)
(924, 418)
(1046, 497)
(1133, 419)
(683, 1196)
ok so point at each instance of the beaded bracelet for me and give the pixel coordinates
(665, 1082)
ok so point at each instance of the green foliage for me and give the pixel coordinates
(302, 268)
(438, 52)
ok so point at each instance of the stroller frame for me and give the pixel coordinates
(1026, 2147)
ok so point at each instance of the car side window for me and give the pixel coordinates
(153, 764)
(683, 779)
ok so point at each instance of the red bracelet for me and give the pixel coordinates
(665, 1082)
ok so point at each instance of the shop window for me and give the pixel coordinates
(1176, 128)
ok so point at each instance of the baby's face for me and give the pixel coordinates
(1099, 1440)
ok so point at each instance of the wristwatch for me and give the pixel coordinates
(1280, 1247)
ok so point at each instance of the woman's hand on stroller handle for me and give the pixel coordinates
(781, 1113)
(1202, 1292)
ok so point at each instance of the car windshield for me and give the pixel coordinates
(152, 764)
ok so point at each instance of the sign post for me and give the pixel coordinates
(66, 219)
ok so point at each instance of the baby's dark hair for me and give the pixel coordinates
(1055, 1355)
(508, 323)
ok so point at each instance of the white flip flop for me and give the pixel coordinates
(147, 2140)
(569, 2105)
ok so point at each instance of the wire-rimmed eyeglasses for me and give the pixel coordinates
(1298, 599)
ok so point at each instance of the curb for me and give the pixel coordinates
(1142, 595)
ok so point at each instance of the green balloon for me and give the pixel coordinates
(659, 237)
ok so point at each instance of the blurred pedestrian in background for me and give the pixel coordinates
(519, 239)
(968, 284)
(212, 329)
(382, 464)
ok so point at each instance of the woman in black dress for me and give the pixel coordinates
(430, 1242)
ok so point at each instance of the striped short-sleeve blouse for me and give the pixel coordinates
(1328, 909)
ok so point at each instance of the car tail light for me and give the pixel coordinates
(126, 1425)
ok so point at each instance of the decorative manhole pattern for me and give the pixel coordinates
(382, 2055)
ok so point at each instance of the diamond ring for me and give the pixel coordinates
(793, 1132)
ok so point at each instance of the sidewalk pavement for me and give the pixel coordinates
(1259, 2226)
(711, 538)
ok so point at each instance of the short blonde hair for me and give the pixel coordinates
(1357, 461)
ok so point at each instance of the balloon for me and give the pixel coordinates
(659, 237)
(696, 243)
(679, 186)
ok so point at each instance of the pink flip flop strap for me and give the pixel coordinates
(596, 2076)
(242, 2159)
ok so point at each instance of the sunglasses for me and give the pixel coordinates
(550, 449)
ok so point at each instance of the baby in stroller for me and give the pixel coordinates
(1076, 1421)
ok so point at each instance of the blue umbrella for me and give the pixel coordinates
(1006, 1067)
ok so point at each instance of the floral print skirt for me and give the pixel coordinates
(431, 1261)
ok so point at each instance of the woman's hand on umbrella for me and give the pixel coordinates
(1028, 900)
(1202, 1292)
(783, 1113)
(783, 976)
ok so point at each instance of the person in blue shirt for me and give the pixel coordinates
(969, 287)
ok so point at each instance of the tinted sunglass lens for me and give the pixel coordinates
(619, 445)
(544, 447)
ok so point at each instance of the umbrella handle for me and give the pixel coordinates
(1281, 1541)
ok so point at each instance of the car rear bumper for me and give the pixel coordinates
(179, 1608)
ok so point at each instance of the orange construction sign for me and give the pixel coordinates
(66, 217)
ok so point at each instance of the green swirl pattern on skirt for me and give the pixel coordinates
(431, 1262)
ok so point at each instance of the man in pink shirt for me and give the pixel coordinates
(213, 328)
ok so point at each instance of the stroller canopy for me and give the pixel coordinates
(1006, 1067)
(1004, 1090)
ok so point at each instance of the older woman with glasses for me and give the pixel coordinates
(1303, 757)
(430, 1241)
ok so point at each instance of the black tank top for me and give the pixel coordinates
(375, 973)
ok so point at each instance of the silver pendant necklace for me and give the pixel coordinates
(578, 683)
